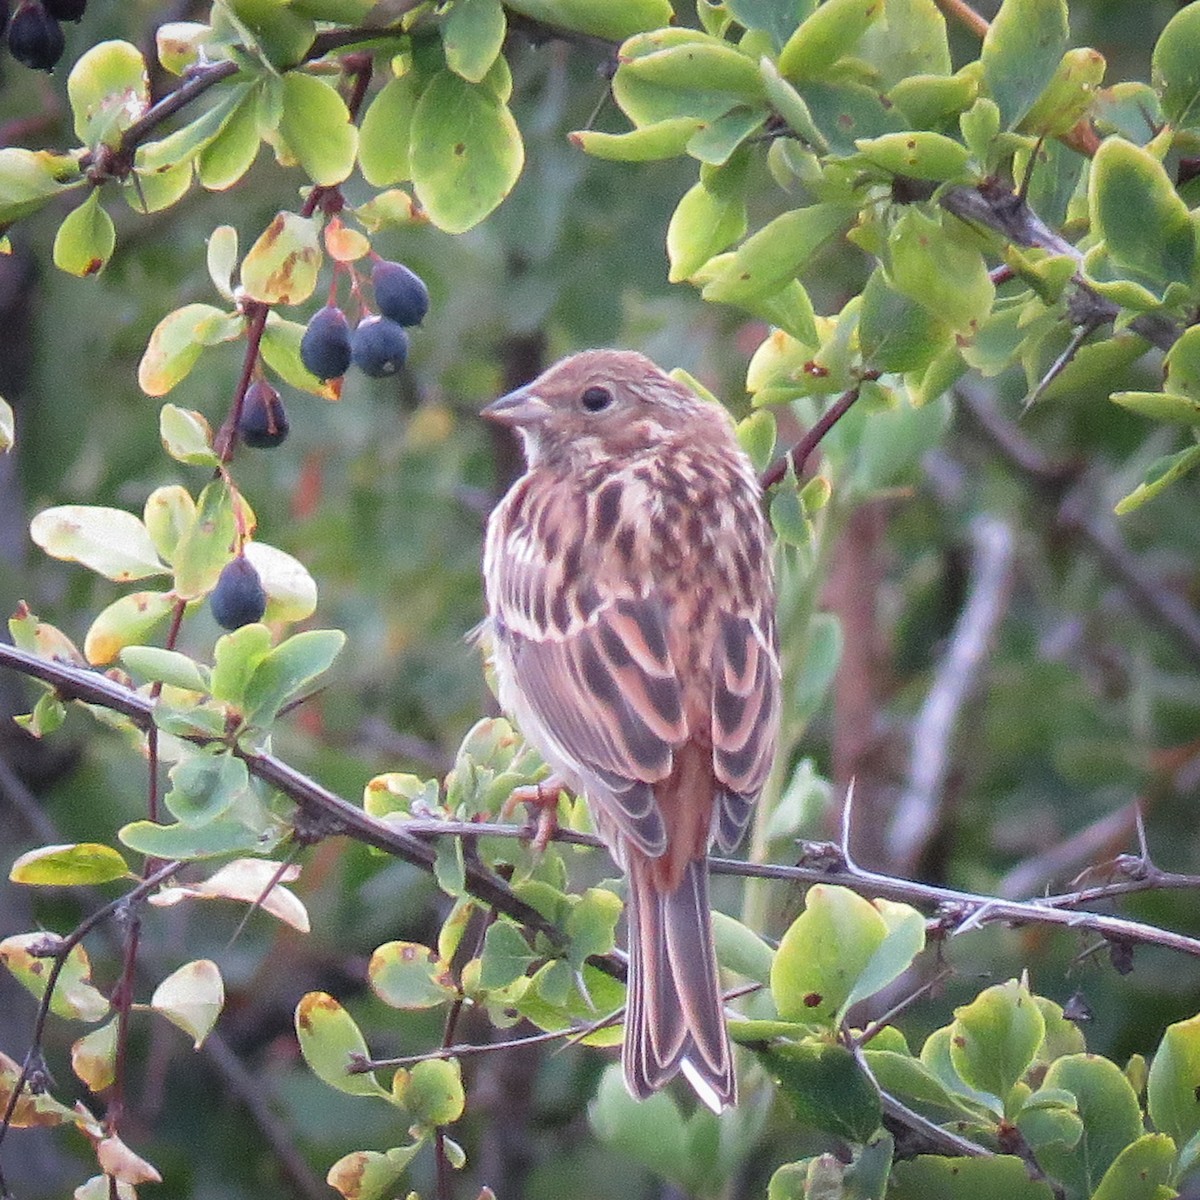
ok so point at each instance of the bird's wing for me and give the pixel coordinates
(745, 715)
(591, 661)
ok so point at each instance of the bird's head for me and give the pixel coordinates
(603, 404)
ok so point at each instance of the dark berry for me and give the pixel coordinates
(34, 37)
(238, 599)
(325, 346)
(379, 347)
(400, 294)
(65, 10)
(263, 422)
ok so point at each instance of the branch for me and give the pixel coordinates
(917, 815)
(957, 910)
(995, 206)
(798, 454)
(1078, 515)
(331, 813)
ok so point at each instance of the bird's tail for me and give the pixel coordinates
(673, 1020)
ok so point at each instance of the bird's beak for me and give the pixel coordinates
(522, 407)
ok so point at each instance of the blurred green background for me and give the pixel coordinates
(1085, 705)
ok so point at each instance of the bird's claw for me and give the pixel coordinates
(542, 800)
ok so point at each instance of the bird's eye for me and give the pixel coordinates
(595, 399)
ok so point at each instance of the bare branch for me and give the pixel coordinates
(918, 814)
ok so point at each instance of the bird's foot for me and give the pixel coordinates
(542, 801)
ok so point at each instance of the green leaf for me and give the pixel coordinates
(1134, 206)
(611, 21)
(86, 238)
(931, 101)
(368, 1174)
(74, 997)
(94, 1060)
(1111, 1119)
(282, 265)
(179, 44)
(787, 103)
(222, 258)
(286, 671)
(69, 866)
(592, 924)
(895, 333)
(472, 37)
(207, 544)
(316, 127)
(7, 428)
(1159, 476)
(663, 139)
(291, 590)
(506, 956)
(756, 435)
(1140, 1171)
(431, 1093)
(945, 274)
(704, 64)
(652, 1132)
(709, 217)
(778, 18)
(384, 138)
(825, 36)
(108, 89)
(186, 436)
(204, 785)
(910, 41)
(328, 1038)
(741, 950)
(917, 154)
(910, 1080)
(192, 998)
(826, 1087)
(235, 657)
(1171, 1088)
(777, 252)
(28, 178)
(230, 154)
(823, 953)
(1021, 51)
(267, 26)
(904, 941)
(465, 151)
(994, 1038)
(217, 838)
(1175, 67)
(1068, 96)
(931, 1177)
(178, 341)
(110, 541)
(1161, 406)
(1183, 365)
(152, 664)
(125, 622)
(281, 352)
(410, 976)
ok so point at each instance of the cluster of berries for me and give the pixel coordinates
(35, 37)
(378, 344)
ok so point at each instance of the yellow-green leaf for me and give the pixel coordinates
(69, 865)
(86, 238)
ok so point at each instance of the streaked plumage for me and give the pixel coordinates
(631, 604)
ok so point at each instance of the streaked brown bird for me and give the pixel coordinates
(632, 611)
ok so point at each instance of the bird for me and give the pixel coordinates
(630, 602)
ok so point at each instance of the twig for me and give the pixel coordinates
(1078, 515)
(798, 454)
(337, 815)
(995, 206)
(62, 947)
(965, 15)
(917, 815)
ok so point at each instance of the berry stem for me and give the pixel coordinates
(256, 322)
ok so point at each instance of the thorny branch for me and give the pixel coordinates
(955, 910)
